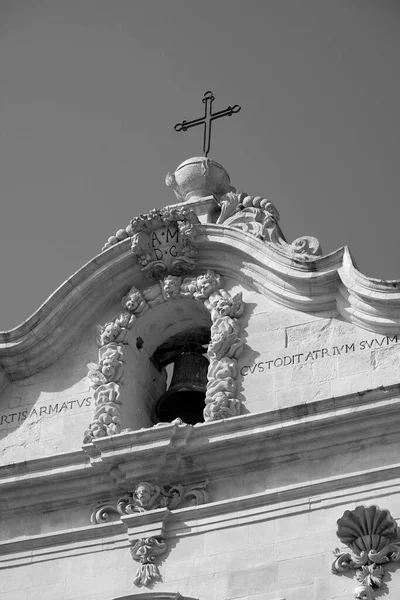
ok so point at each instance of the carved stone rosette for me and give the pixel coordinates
(372, 537)
(259, 217)
(106, 376)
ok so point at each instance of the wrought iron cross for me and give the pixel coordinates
(208, 118)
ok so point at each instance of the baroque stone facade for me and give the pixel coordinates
(297, 445)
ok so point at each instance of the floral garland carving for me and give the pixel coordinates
(223, 351)
(259, 217)
(372, 537)
(106, 376)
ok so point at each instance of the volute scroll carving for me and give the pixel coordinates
(371, 534)
(147, 496)
(259, 217)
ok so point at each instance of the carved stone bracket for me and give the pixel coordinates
(146, 532)
(371, 534)
(106, 376)
(145, 551)
(259, 217)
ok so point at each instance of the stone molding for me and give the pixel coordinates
(326, 283)
(224, 348)
(111, 464)
(157, 596)
(171, 525)
(268, 436)
(372, 536)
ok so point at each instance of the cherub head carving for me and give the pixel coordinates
(172, 286)
(143, 493)
(221, 406)
(134, 301)
(96, 429)
(222, 304)
(206, 284)
(109, 366)
(108, 333)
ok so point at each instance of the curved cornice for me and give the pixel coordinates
(311, 284)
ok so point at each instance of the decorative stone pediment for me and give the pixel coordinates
(213, 225)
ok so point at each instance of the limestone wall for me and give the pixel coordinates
(285, 557)
(294, 357)
(47, 413)
(289, 358)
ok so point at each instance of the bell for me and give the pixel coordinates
(187, 391)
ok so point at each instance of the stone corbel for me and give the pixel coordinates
(145, 513)
(146, 534)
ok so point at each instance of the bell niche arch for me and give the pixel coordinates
(127, 382)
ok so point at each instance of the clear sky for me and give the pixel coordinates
(90, 91)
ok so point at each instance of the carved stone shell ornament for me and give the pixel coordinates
(366, 529)
(372, 536)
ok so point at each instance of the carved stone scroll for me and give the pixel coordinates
(147, 497)
(259, 217)
(371, 534)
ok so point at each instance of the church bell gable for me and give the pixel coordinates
(203, 409)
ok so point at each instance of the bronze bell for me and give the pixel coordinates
(187, 391)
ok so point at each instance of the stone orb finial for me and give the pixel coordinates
(199, 177)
